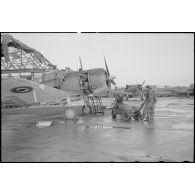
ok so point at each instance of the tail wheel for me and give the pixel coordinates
(114, 113)
(86, 109)
(69, 114)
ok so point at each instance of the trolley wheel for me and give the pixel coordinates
(114, 113)
(86, 109)
(137, 115)
(126, 116)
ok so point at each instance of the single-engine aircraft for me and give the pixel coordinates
(73, 82)
(96, 82)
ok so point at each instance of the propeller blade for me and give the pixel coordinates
(109, 87)
(142, 83)
(81, 63)
(113, 82)
(106, 66)
(111, 77)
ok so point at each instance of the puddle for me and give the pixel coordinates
(12, 127)
(42, 124)
(80, 121)
(183, 126)
(143, 158)
(103, 127)
(172, 110)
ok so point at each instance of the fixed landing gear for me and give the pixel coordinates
(86, 109)
(69, 114)
(92, 105)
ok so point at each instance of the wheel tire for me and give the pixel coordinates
(137, 116)
(86, 109)
(114, 113)
(125, 116)
(69, 114)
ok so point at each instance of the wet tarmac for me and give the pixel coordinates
(170, 138)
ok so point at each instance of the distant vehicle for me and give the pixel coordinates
(131, 91)
(187, 92)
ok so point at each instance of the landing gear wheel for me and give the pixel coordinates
(126, 116)
(69, 114)
(114, 113)
(137, 116)
(86, 109)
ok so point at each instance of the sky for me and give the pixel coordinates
(158, 58)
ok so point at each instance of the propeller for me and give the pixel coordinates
(80, 63)
(110, 79)
(141, 90)
(142, 83)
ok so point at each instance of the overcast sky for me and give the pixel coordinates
(159, 59)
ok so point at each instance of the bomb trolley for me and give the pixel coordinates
(126, 112)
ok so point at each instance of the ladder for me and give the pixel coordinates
(14, 102)
(96, 104)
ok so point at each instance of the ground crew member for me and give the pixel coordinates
(152, 106)
(86, 88)
(119, 99)
(140, 90)
(85, 85)
(149, 103)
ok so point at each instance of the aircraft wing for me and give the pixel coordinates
(30, 92)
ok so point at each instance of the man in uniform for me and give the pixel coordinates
(85, 85)
(119, 99)
(152, 106)
(149, 103)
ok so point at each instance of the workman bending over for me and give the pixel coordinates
(119, 99)
(149, 104)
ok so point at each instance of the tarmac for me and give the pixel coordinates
(42, 135)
